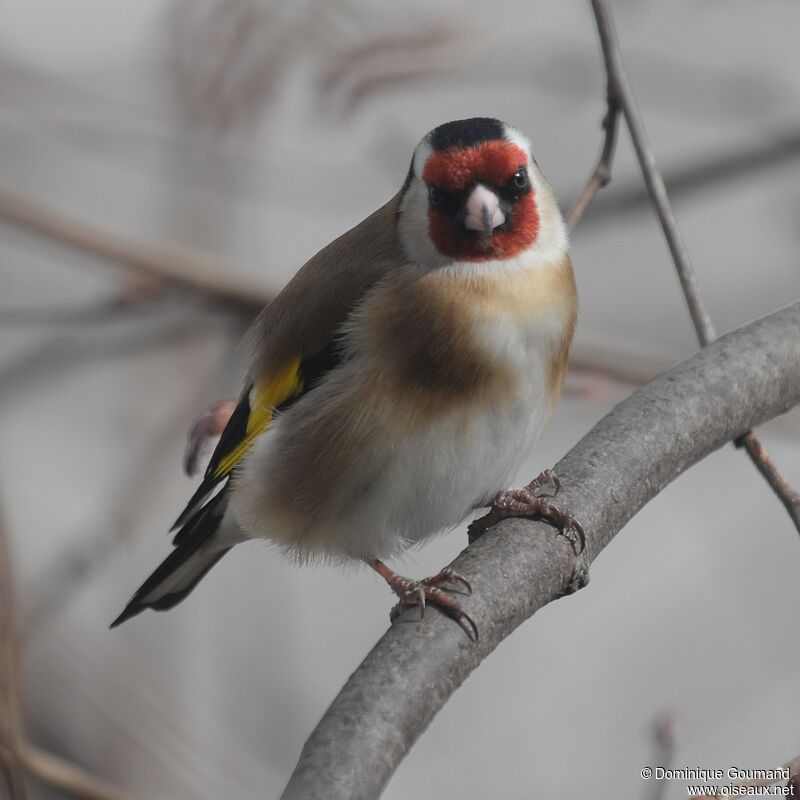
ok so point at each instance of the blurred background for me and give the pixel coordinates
(219, 144)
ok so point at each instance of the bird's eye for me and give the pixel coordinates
(434, 196)
(520, 178)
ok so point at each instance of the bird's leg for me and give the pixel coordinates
(428, 590)
(208, 425)
(531, 501)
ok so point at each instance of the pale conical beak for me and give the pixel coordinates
(483, 211)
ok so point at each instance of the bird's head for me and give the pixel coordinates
(474, 194)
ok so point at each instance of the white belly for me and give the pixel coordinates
(437, 477)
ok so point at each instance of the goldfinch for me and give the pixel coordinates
(400, 378)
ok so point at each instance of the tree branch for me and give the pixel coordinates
(192, 269)
(68, 777)
(622, 99)
(17, 757)
(704, 171)
(10, 711)
(618, 77)
(741, 380)
(602, 172)
(787, 495)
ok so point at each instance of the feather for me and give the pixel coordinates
(296, 338)
(261, 402)
(198, 548)
(253, 415)
(250, 418)
(198, 543)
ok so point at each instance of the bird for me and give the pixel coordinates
(397, 382)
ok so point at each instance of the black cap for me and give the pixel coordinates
(466, 132)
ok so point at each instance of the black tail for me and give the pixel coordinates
(197, 549)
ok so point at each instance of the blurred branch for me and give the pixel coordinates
(61, 353)
(67, 777)
(665, 738)
(18, 758)
(621, 99)
(704, 171)
(100, 311)
(74, 565)
(742, 379)
(138, 292)
(230, 57)
(391, 60)
(10, 713)
(625, 361)
(192, 269)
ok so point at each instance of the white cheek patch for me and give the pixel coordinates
(413, 227)
(421, 156)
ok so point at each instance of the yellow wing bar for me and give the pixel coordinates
(265, 397)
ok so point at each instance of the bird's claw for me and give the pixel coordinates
(544, 478)
(530, 501)
(428, 591)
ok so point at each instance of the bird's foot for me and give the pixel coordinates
(428, 591)
(532, 501)
(207, 426)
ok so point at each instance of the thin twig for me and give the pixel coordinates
(788, 496)
(703, 171)
(621, 99)
(602, 172)
(10, 713)
(612, 57)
